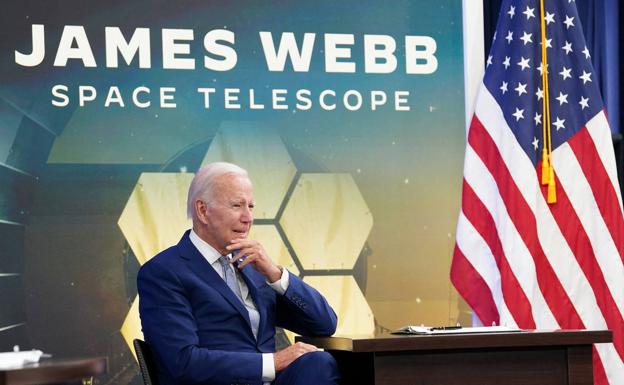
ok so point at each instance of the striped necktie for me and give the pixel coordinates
(230, 279)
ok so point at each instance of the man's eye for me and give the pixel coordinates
(236, 205)
(251, 207)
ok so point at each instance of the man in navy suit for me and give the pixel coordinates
(210, 304)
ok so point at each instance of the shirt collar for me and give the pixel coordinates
(207, 251)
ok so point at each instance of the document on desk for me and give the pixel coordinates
(17, 358)
(434, 330)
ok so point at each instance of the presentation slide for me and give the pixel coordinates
(349, 117)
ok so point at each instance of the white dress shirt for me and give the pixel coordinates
(280, 286)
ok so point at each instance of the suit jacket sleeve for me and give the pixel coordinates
(171, 330)
(304, 310)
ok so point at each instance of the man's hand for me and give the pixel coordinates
(285, 357)
(256, 256)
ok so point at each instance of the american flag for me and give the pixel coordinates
(518, 260)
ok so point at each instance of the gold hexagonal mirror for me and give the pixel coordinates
(155, 215)
(327, 221)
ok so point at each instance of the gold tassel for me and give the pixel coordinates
(552, 187)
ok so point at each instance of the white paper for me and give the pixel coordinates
(16, 359)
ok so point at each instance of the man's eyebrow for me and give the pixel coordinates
(241, 200)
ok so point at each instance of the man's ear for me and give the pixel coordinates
(201, 210)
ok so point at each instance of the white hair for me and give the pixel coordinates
(203, 183)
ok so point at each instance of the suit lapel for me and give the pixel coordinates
(206, 272)
(255, 295)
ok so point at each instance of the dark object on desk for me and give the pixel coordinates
(146, 362)
(457, 327)
(535, 357)
(54, 371)
(411, 329)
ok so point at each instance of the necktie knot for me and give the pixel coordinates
(224, 261)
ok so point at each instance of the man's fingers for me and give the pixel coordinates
(251, 252)
(247, 259)
(285, 357)
(300, 349)
(240, 243)
(247, 251)
(305, 347)
(247, 255)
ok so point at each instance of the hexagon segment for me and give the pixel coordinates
(273, 244)
(355, 317)
(131, 328)
(155, 215)
(260, 151)
(327, 221)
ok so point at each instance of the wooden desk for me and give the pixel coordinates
(515, 358)
(54, 371)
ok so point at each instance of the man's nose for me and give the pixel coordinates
(246, 215)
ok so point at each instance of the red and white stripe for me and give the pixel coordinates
(521, 262)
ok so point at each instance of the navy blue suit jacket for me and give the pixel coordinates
(200, 331)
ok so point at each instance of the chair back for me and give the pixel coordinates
(146, 362)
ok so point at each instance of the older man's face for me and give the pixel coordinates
(230, 214)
